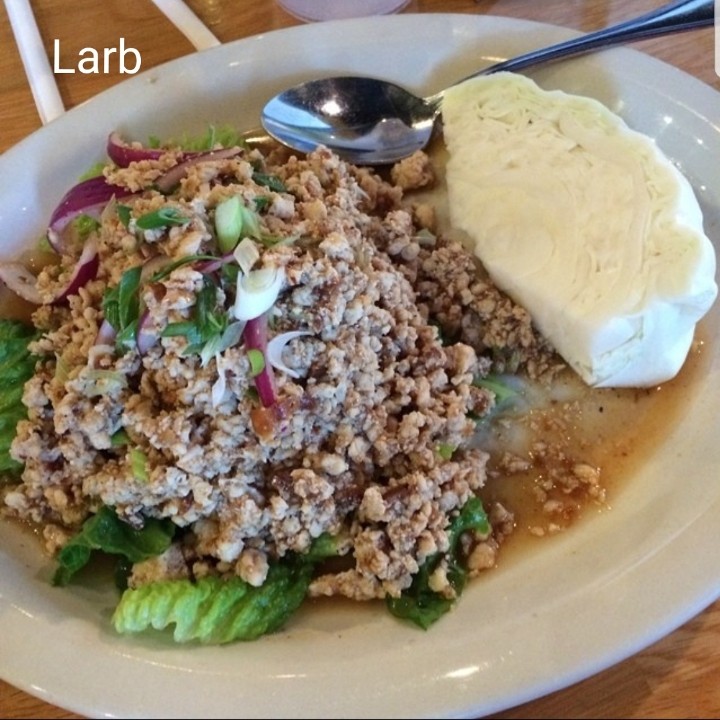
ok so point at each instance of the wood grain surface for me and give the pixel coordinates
(677, 677)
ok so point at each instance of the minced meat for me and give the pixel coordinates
(391, 326)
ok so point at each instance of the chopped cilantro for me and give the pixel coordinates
(272, 182)
(124, 214)
(210, 329)
(163, 217)
(121, 307)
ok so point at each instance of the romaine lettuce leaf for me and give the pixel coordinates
(16, 367)
(419, 603)
(212, 610)
(106, 532)
(224, 135)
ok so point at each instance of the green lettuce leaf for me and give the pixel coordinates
(419, 603)
(16, 367)
(106, 532)
(212, 610)
(215, 611)
(224, 135)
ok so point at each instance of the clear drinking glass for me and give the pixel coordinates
(340, 9)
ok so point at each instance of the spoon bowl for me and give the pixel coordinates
(369, 121)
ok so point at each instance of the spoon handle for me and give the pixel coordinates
(673, 17)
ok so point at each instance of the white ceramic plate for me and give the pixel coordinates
(589, 599)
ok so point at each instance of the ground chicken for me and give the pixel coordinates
(355, 422)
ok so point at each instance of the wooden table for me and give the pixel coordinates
(676, 677)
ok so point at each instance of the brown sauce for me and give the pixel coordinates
(612, 430)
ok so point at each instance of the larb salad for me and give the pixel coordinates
(254, 379)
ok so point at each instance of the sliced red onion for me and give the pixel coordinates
(146, 334)
(24, 284)
(255, 336)
(275, 348)
(122, 154)
(210, 266)
(21, 281)
(85, 270)
(167, 182)
(104, 343)
(106, 334)
(86, 198)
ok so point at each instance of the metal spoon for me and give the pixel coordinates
(371, 122)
